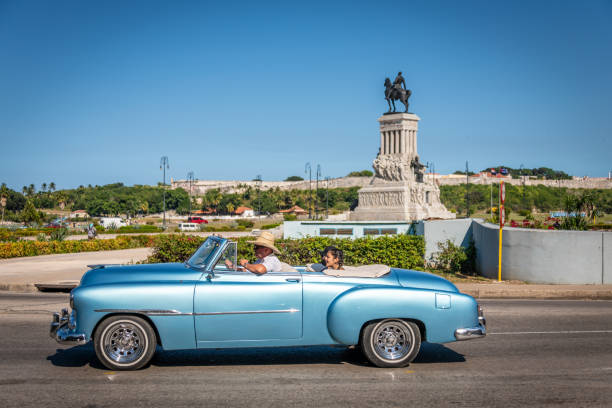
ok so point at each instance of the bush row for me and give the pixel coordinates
(400, 251)
(34, 248)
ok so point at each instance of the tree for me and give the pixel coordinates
(43, 187)
(294, 178)
(29, 214)
(362, 173)
(52, 186)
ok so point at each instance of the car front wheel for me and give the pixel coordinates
(391, 343)
(124, 342)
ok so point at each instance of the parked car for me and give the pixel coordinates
(112, 222)
(188, 226)
(127, 310)
(197, 220)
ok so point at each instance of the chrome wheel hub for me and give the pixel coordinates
(123, 343)
(392, 341)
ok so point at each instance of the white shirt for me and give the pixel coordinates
(270, 262)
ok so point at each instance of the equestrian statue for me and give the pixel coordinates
(396, 91)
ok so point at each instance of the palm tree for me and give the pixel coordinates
(31, 190)
(43, 187)
(24, 190)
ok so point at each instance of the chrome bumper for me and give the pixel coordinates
(469, 333)
(62, 329)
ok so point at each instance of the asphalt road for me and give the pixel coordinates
(537, 353)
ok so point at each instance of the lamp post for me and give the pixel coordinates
(523, 180)
(190, 179)
(308, 169)
(317, 192)
(163, 165)
(467, 190)
(326, 197)
(258, 183)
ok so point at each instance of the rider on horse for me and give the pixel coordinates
(399, 82)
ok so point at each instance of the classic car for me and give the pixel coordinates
(128, 311)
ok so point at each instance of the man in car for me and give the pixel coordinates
(265, 252)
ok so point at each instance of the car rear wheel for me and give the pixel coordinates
(391, 343)
(124, 342)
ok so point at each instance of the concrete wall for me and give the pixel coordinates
(544, 256)
(458, 231)
(302, 229)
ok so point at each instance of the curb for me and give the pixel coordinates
(18, 287)
(540, 294)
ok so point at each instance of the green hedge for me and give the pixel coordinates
(399, 251)
(34, 248)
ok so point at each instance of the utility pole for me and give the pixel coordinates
(258, 183)
(190, 179)
(317, 193)
(163, 165)
(326, 198)
(308, 169)
(523, 180)
(467, 190)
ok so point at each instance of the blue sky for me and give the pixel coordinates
(95, 92)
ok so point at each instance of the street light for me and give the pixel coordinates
(190, 179)
(326, 197)
(258, 184)
(523, 179)
(308, 169)
(467, 190)
(317, 192)
(163, 165)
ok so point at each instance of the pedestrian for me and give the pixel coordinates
(91, 232)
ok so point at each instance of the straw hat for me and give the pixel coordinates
(265, 239)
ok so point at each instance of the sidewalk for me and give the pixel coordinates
(22, 274)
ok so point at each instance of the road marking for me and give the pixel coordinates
(555, 332)
(409, 371)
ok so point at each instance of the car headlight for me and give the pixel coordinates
(71, 300)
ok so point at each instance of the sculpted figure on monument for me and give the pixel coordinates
(391, 168)
(396, 91)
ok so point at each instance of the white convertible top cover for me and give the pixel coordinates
(365, 271)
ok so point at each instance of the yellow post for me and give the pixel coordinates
(499, 259)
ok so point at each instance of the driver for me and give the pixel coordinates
(265, 252)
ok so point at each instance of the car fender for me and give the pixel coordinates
(440, 312)
(168, 305)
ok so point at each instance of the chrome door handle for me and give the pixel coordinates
(294, 280)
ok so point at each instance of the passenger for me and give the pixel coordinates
(333, 258)
(264, 251)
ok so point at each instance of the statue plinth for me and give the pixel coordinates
(399, 190)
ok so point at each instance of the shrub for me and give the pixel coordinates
(34, 248)
(455, 259)
(400, 251)
(58, 234)
(270, 226)
(290, 217)
(245, 223)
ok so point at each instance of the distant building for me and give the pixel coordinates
(244, 212)
(79, 214)
(295, 210)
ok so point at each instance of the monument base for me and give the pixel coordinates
(400, 201)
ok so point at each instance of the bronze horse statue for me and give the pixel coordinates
(392, 94)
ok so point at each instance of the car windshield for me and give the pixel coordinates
(202, 256)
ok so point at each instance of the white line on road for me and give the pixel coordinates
(555, 332)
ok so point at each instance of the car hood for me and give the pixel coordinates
(423, 280)
(107, 274)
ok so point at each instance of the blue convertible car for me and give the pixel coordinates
(127, 311)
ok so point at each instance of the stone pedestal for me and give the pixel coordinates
(398, 191)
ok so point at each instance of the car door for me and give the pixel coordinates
(235, 306)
